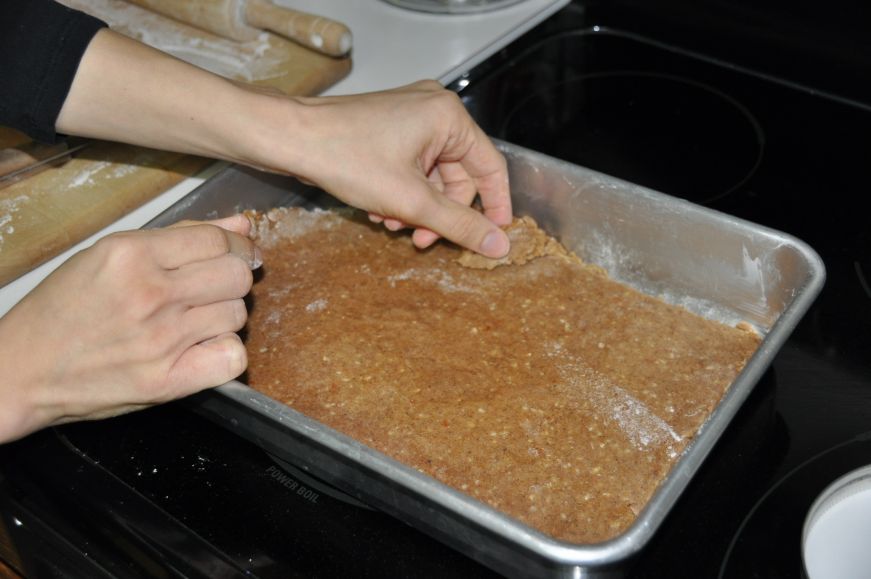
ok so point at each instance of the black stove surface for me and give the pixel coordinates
(164, 492)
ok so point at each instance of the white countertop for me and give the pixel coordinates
(392, 46)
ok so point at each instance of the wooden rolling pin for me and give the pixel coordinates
(246, 19)
(14, 159)
(31, 158)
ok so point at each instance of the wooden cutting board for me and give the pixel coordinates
(42, 216)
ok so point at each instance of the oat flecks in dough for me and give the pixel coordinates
(546, 390)
(528, 242)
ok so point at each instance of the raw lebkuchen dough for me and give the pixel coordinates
(538, 385)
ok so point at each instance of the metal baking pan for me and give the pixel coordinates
(716, 265)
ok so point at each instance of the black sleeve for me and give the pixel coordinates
(41, 45)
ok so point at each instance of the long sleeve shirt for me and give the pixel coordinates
(41, 46)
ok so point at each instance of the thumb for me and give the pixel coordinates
(207, 364)
(462, 225)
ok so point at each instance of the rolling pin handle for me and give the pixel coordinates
(316, 32)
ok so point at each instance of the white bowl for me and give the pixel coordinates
(836, 539)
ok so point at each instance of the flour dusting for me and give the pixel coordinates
(317, 306)
(277, 227)
(245, 61)
(86, 177)
(8, 208)
(641, 426)
(438, 277)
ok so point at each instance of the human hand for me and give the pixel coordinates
(412, 156)
(140, 318)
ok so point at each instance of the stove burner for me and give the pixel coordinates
(768, 542)
(665, 132)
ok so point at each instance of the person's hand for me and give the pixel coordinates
(139, 318)
(411, 156)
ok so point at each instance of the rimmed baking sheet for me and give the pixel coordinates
(716, 265)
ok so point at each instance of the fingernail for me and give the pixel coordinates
(252, 225)
(495, 244)
(258, 258)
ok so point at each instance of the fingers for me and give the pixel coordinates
(449, 179)
(488, 169)
(462, 225)
(214, 285)
(423, 237)
(210, 363)
(479, 170)
(238, 223)
(205, 322)
(423, 132)
(482, 172)
(452, 180)
(470, 148)
(393, 224)
(465, 168)
(389, 223)
(210, 281)
(445, 212)
(174, 247)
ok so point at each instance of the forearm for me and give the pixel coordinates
(129, 92)
(412, 154)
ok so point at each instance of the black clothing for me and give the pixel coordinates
(41, 45)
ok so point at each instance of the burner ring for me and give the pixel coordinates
(665, 132)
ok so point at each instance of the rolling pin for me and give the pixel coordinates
(247, 19)
(28, 159)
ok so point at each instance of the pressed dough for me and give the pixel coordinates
(536, 384)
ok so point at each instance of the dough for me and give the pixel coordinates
(544, 388)
(527, 243)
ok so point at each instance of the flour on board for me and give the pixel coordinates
(245, 61)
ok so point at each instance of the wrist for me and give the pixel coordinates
(29, 400)
(269, 133)
(17, 411)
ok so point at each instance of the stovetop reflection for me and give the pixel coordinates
(659, 130)
(268, 520)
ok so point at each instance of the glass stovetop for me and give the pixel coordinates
(760, 148)
(749, 145)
